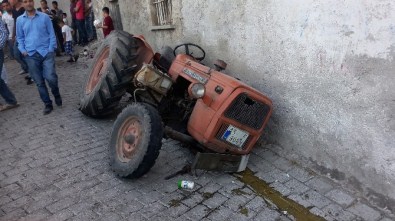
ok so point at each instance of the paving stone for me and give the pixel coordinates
(322, 185)
(85, 215)
(296, 187)
(37, 205)
(283, 164)
(19, 203)
(261, 165)
(340, 197)
(322, 214)
(256, 204)
(234, 203)
(152, 209)
(285, 191)
(386, 219)
(198, 212)
(267, 215)
(15, 214)
(215, 201)
(266, 154)
(364, 211)
(61, 204)
(210, 188)
(316, 199)
(5, 200)
(193, 199)
(244, 214)
(338, 213)
(177, 210)
(38, 215)
(221, 213)
(300, 200)
(300, 174)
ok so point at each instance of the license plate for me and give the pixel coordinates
(235, 136)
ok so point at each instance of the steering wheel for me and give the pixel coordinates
(190, 53)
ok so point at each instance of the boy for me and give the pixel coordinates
(66, 22)
(67, 40)
(107, 25)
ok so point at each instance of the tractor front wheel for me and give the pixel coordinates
(136, 139)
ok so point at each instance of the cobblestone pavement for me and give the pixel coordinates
(55, 167)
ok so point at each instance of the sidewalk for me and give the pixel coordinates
(55, 167)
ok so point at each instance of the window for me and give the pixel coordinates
(161, 14)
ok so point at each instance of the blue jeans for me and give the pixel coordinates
(43, 69)
(82, 36)
(18, 56)
(5, 92)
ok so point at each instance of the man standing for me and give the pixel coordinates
(16, 12)
(37, 42)
(5, 92)
(73, 20)
(80, 21)
(9, 21)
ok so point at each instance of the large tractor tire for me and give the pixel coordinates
(136, 139)
(111, 73)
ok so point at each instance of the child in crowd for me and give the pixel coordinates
(66, 22)
(68, 40)
(107, 25)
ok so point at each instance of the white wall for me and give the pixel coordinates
(327, 65)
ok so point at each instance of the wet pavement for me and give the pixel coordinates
(55, 167)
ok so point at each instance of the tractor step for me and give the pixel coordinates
(220, 162)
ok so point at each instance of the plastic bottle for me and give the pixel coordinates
(184, 184)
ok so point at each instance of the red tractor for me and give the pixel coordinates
(171, 95)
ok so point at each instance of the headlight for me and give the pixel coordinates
(197, 90)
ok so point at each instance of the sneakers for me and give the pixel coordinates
(48, 109)
(73, 58)
(58, 101)
(29, 80)
(8, 106)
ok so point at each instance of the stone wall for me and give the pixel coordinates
(327, 65)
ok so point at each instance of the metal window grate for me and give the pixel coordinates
(248, 111)
(163, 10)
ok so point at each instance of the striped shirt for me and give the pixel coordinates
(3, 34)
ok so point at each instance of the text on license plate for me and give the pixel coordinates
(235, 136)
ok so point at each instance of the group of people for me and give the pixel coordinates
(33, 37)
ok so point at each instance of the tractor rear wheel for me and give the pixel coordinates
(136, 139)
(110, 73)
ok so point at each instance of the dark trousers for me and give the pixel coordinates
(82, 36)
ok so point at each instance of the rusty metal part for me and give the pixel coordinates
(175, 135)
(129, 137)
(220, 162)
(220, 65)
(98, 70)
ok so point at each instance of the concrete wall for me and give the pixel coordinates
(327, 65)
